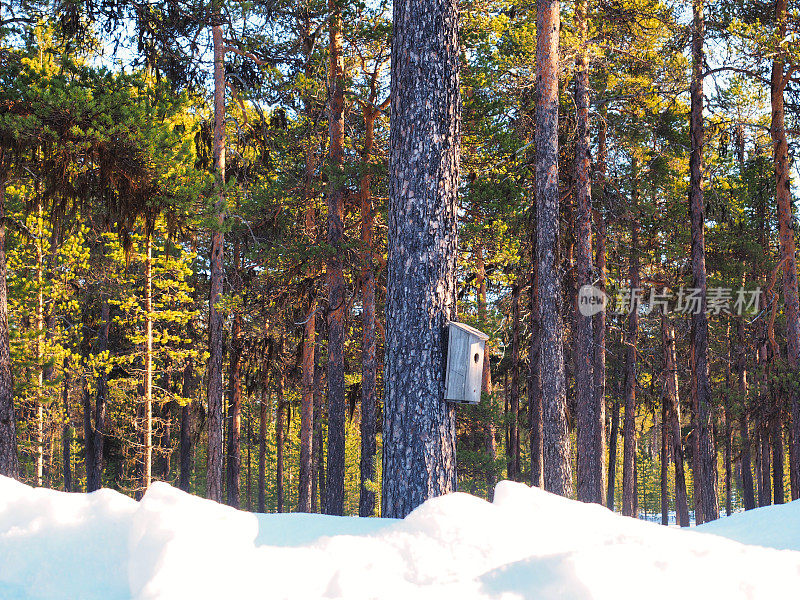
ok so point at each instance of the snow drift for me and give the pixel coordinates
(526, 544)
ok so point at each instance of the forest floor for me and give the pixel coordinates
(526, 544)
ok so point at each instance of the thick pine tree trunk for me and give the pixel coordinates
(783, 196)
(673, 423)
(369, 364)
(706, 460)
(557, 470)
(215, 324)
(599, 324)
(589, 417)
(631, 336)
(419, 460)
(234, 450)
(9, 462)
(334, 500)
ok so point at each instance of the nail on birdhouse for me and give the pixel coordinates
(464, 374)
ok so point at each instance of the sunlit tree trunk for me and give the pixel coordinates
(306, 474)
(534, 380)
(66, 430)
(215, 324)
(589, 417)
(39, 346)
(487, 389)
(263, 407)
(783, 196)
(318, 443)
(673, 423)
(94, 470)
(9, 463)
(369, 363)
(631, 337)
(706, 477)
(334, 498)
(148, 367)
(664, 463)
(599, 324)
(748, 491)
(279, 412)
(234, 454)
(557, 470)
(513, 431)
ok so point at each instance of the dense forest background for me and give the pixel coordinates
(155, 157)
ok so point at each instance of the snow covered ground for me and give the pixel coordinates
(527, 544)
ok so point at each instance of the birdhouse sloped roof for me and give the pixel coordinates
(468, 329)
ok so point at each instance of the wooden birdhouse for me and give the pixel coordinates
(464, 374)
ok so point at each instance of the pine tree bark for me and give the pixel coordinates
(589, 417)
(748, 492)
(673, 423)
(599, 324)
(94, 471)
(39, 348)
(534, 381)
(701, 386)
(487, 389)
(187, 418)
(9, 461)
(318, 443)
(419, 460)
(334, 500)
(513, 432)
(557, 470)
(776, 436)
(66, 430)
(783, 197)
(279, 411)
(631, 335)
(664, 462)
(306, 474)
(148, 367)
(262, 447)
(369, 364)
(612, 453)
(728, 432)
(234, 454)
(215, 324)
